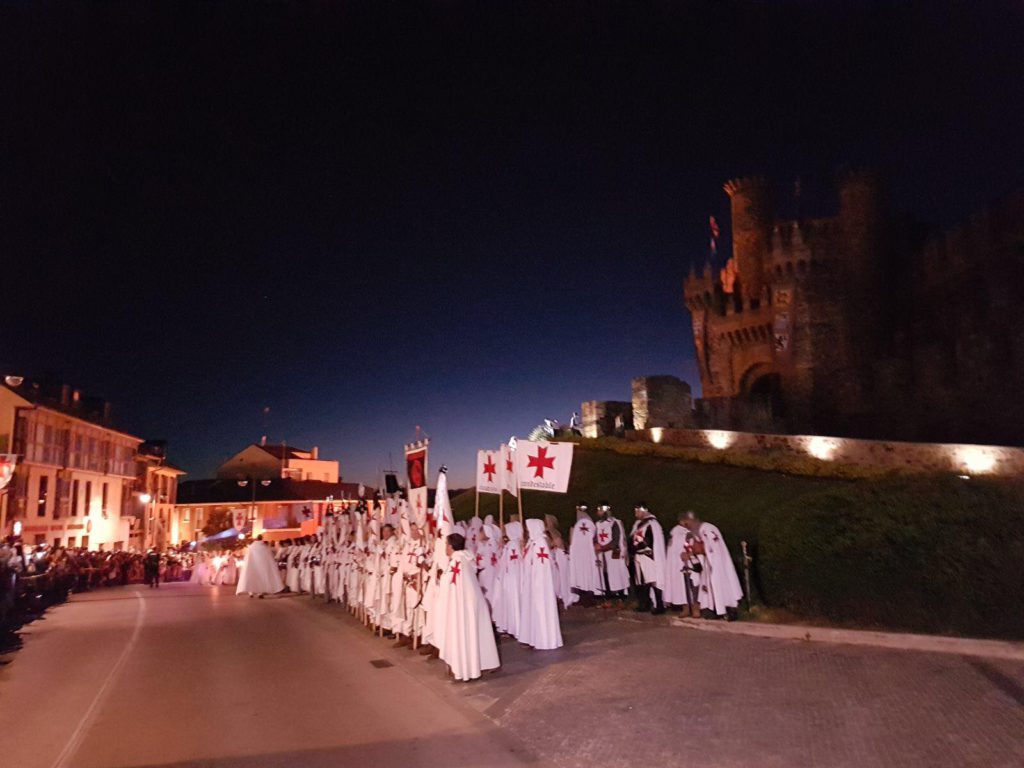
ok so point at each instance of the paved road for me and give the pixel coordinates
(192, 676)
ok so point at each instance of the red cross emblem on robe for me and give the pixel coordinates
(455, 572)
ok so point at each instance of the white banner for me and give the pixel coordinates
(507, 464)
(544, 466)
(488, 476)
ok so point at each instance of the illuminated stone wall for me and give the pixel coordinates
(605, 418)
(960, 459)
(661, 401)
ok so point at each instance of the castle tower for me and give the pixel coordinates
(860, 216)
(751, 221)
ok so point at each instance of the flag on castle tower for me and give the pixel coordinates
(544, 466)
(715, 232)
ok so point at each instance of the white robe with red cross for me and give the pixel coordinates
(467, 642)
(539, 625)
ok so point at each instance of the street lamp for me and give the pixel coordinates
(244, 482)
(145, 498)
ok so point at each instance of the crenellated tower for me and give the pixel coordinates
(750, 200)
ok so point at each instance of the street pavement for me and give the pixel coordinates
(192, 676)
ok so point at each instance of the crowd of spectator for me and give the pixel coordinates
(34, 577)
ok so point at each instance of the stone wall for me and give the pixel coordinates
(661, 401)
(960, 459)
(605, 418)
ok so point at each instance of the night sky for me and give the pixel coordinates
(465, 217)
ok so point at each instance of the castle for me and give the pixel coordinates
(853, 325)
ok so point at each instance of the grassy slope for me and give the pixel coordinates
(732, 498)
(932, 554)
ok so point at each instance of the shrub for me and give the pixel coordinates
(932, 554)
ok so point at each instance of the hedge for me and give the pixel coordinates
(921, 553)
(930, 554)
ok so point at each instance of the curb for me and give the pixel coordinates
(992, 649)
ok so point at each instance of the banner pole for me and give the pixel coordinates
(501, 510)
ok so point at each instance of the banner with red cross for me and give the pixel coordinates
(507, 466)
(543, 466)
(488, 472)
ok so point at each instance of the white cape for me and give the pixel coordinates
(539, 625)
(720, 586)
(467, 643)
(260, 574)
(584, 575)
(674, 591)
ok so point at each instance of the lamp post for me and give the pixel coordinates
(146, 499)
(249, 480)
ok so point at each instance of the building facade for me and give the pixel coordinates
(261, 461)
(80, 482)
(264, 489)
(156, 484)
(75, 475)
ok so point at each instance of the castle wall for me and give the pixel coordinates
(661, 401)
(605, 418)
(921, 458)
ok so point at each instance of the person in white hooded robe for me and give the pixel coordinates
(260, 574)
(467, 643)
(647, 545)
(509, 578)
(434, 626)
(539, 625)
(610, 546)
(682, 570)
(487, 539)
(561, 558)
(584, 576)
(720, 589)
(228, 574)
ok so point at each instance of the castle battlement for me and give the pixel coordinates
(847, 324)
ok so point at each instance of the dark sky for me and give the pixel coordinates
(465, 217)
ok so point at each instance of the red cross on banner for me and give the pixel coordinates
(544, 466)
(540, 462)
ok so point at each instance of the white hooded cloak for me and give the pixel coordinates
(720, 586)
(467, 643)
(584, 575)
(260, 574)
(539, 625)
